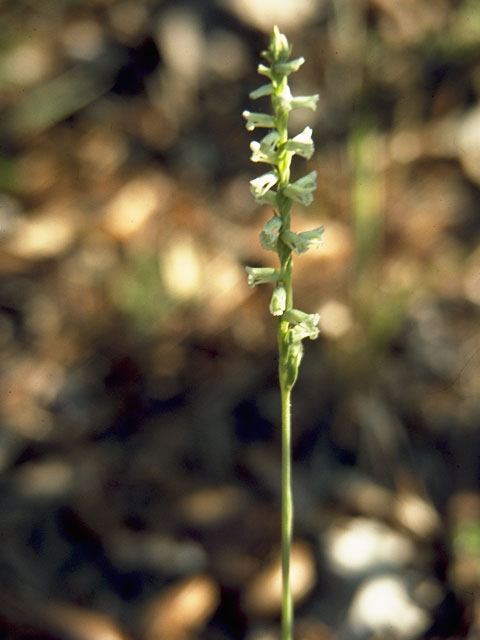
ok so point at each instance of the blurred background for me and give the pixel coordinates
(139, 413)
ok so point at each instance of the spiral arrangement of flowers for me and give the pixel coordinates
(275, 188)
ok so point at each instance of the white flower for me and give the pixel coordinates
(301, 144)
(261, 185)
(265, 150)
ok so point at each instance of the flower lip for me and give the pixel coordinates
(301, 144)
(260, 185)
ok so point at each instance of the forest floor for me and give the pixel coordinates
(139, 441)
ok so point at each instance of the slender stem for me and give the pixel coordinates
(286, 388)
(285, 255)
(287, 514)
(278, 149)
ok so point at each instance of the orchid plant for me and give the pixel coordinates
(276, 189)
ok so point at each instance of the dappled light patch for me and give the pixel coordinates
(182, 609)
(263, 596)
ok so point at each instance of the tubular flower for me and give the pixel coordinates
(255, 120)
(301, 242)
(262, 275)
(307, 102)
(302, 190)
(305, 325)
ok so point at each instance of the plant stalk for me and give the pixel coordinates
(285, 255)
(293, 325)
(287, 512)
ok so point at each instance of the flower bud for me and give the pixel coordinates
(279, 48)
(269, 233)
(278, 301)
(294, 358)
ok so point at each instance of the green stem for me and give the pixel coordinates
(300, 325)
(287, 512)
(287, 496)
(286, 388)
(285, 255)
